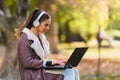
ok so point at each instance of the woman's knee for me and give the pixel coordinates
(71, 74)
(69, 71)
(76, 70)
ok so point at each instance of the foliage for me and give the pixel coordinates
(115, 33)
(84, 16)
(11, 5)
(88, 15)
(34, 3)
(114, 17)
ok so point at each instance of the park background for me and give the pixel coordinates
(74, 24)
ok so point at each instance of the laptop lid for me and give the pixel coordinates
(76, 57)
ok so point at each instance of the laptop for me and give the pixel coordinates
(73, 60)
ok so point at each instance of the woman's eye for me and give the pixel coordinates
(46, 25)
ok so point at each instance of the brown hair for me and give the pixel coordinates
(29, 22)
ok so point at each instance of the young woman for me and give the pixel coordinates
(33, 48)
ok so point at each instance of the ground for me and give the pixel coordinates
(109, 68)
(88, 67)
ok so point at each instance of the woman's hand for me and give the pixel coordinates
(59, 62)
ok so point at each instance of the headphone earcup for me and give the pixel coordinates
(36, 23)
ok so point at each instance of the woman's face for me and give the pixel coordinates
(44, 26)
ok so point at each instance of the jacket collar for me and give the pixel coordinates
(42, 53)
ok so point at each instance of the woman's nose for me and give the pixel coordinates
(47, 27)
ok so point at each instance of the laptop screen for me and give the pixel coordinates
(76, 57)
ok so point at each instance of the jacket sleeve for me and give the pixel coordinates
(25, 56)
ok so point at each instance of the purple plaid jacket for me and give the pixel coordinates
(30, 65)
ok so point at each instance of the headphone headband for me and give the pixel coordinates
(36, 22)
(40, 15)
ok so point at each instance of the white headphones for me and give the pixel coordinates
(36, 21)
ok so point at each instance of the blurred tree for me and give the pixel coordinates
(114, 17)
(70, 17)
(85, 17)
(14, 13)
(51, 7)
(10, 17)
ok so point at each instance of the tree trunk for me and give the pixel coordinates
(52, 34)
(9, 68)
(53, 39)
(67, 33)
